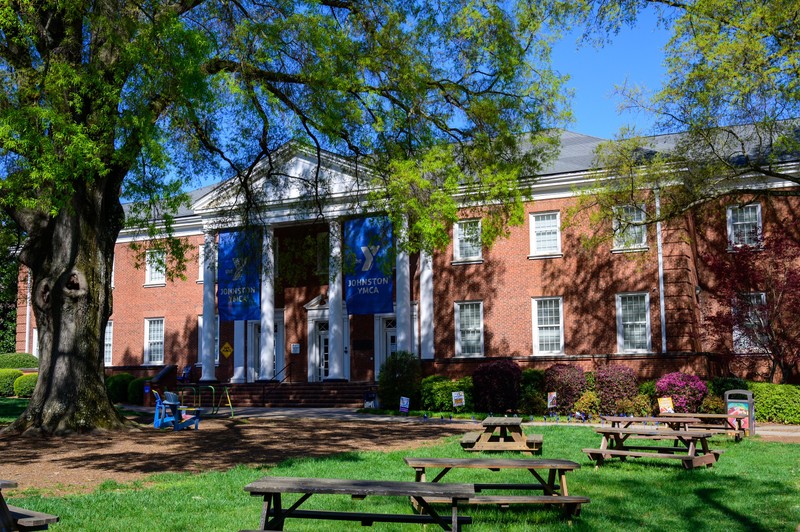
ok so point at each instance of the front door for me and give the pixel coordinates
(323, 351)
(388, 345)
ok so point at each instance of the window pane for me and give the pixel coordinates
(155, 267)
(470, 328)
(546, 232)
(744, 224)
(629, 236)
(469, 239)
(548, 323)
(155, 341)
(107, 345)
(634, 322)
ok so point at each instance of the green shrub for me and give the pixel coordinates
(569, 383)
(7, 378)
(719, 385)
(639, 405)
(24, 385)
(135, 395)
(648, 388)
(436, 393)
(776, 403)
(712, 404)
(496, 386)
(18, 360)
(613, 383)
(533, 380)
(117, 387)
(400, 377)
(532, 403)
(591, 381)
(588, 404)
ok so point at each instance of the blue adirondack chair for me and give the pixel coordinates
(170, 413)
(186, 376)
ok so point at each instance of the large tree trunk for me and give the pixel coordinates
(71, 258)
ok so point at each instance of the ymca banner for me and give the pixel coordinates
(239, 276)
(369, 279)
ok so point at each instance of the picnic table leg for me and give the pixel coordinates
(424, 506)
(6, 522)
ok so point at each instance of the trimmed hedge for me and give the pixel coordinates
(7, 378)
(117, 387)
(569, 383)
(436, 393)
(135, 395)
(18, 360)
(400, 377)
(776, 403)
(496, 386)
(24, 386)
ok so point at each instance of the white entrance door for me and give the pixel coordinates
(387, 344)
(323, 351)
(253, 350)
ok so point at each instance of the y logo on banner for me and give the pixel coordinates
(369, 256)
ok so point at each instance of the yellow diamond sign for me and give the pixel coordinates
(226, 350)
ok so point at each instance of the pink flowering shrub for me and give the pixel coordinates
(687, 391)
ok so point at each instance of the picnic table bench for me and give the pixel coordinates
(16, 518)
(730, 424)
(273, 514)
(685, 445)
(502, 434)
(675, 421)
(553, 492)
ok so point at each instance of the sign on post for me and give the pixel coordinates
(405, 402)
(665, 405)
(458, 399)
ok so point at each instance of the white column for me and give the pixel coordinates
(403, 294)
(335, 322)
(426, 306)
(238, 351)
(209, 308)
(267, 344)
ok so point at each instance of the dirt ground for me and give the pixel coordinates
(80, 462)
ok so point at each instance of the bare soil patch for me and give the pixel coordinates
(80, 462)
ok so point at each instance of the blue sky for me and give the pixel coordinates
(635, 54)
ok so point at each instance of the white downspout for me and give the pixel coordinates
(663, 307)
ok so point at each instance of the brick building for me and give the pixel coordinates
(538, 297)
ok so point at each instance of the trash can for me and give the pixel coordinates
(741, 402)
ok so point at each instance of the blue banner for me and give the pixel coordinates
(369, 280)
(239, 276)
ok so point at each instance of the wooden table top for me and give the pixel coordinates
(7, 484)
(359, 488)
(492, 463)
(709, 416)
(502, 422)
(663, 418)
(666, 433)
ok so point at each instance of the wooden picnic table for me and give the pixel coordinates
(273, 514)
(717, 423)
(550, 474)
(689, 446)
(674, 422)
(502, 434)
(16, 518)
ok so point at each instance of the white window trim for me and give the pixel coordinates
(457, 314)
(732, 246)
(150, 269)
(535, 321)
(457, 258)
(108, 340)
(147, 355)
(739, 347)
(200, 338)
(620, 333)
(534, 252)
(622, 247)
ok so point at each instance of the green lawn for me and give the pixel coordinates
(754, 486)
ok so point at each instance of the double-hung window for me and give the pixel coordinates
(744, 225)
(749, 323)
(545, 233)
(467, 244)
(154, 341)
(469, 328)
(155, 267)
(548, 325)
(633, 323)
(108, 343)
(628, 235)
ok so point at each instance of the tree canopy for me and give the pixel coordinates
(726, 114)
(113, 98)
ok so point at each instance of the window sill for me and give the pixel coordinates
(154, 285)
(466, 261)
(549, 354)
(546, 256)
(737, 248)
(630, 250)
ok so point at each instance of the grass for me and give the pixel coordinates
(10, 409)
(755, 486)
